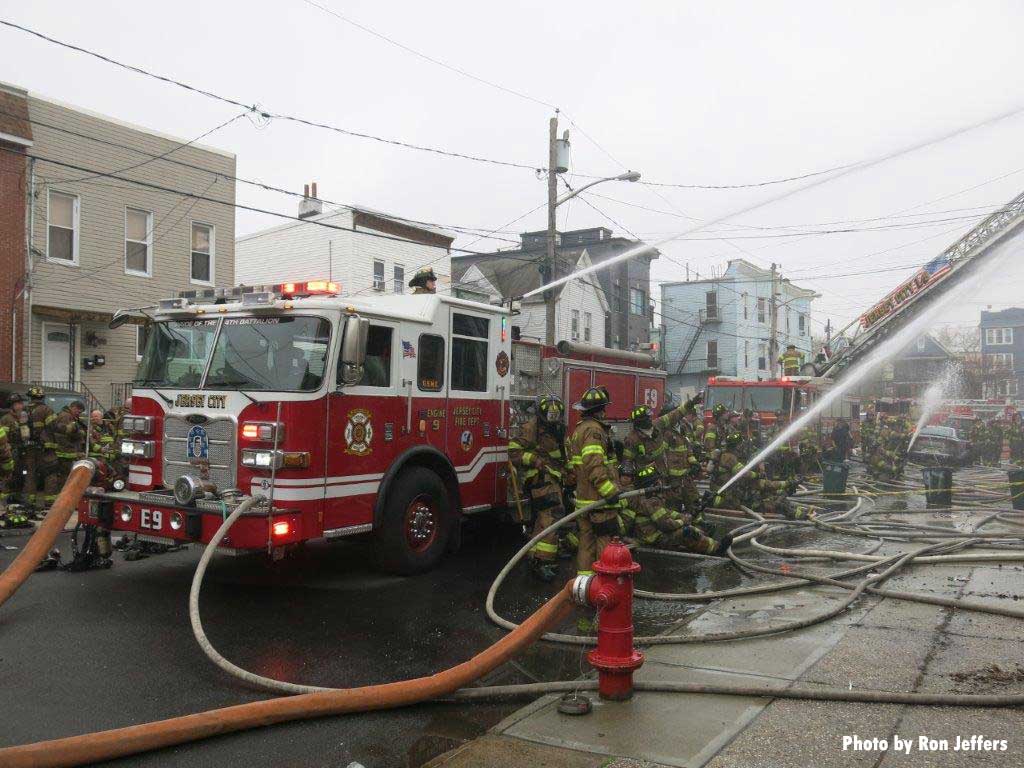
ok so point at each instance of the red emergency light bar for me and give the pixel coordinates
(308, 288)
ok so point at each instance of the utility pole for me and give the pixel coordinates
(549, 296)
(773, 352)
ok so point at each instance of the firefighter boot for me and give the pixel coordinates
(722, 550)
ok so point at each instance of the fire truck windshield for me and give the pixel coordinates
(244, 353)
(760, 399)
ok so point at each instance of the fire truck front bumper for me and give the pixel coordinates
(155, 516)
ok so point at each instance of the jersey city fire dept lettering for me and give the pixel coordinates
(358, 432)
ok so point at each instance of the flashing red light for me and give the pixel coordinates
(309, 288)
(282, 528)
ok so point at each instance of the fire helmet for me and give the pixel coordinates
(551, 407)
(422, 277)
(641, 417)
(593, 400)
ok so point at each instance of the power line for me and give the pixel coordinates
(267, 114)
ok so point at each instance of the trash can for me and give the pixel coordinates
(833, 477)
(1017, 488)
(938, 486)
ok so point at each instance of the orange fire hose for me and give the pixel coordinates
(119, 742)
(46, 534)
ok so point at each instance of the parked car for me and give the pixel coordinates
(55, 398)
(940, 446)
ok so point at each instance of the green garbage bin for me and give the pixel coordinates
(938, 486)
(1017, 488)
(833, 477)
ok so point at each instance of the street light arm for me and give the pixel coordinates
(628, 176)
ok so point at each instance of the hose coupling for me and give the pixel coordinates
(581, 590)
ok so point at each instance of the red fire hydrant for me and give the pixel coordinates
(611, 592)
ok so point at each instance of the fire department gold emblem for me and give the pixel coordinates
(501, 363)
(358, 432)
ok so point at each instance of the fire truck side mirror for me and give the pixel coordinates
(353, 349)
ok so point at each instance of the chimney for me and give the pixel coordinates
(310, 206)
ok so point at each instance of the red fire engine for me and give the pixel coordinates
(383, 415)
(771, 400)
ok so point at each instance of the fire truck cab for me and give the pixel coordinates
(785, 398)
(343, 415)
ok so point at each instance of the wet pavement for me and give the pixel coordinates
(105, 649)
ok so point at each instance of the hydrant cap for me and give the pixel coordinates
(616, 559)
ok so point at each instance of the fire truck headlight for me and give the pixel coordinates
(138, 449)
(141, 425)
(177, 521)
(118, 484)
(126, 514)
(259, 459)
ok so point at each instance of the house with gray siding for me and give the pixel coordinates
(1002, 350)
(722, 326)
(97, 244)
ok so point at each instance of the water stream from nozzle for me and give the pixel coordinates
(933, 397)
(887, 349)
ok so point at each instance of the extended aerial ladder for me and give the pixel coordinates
(911, 297)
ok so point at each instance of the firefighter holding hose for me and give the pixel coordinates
(659, 524)
(538, 455)
(40, 459)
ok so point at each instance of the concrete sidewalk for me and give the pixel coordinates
(881, 644)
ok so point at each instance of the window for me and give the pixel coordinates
(801, 323)
(762, 355)
(712, 359)
(921, 344)
(575, 325)
(377, 368)
(760, 309)
(62, 229)
(588, 324)
(746, 315)
(620, 297)
(787, 321)
(469, 353)
(202, 253)
(1011, 388)
(270, 354)
(746, 354)
(138, 240)
(1001, 360)
(430, 363)
(711, 305)
(175, 353)
(637, 302)
(141, 337)
(399, 279)
(996, 336)
(378, 275)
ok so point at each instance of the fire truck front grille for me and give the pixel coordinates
(220, 440)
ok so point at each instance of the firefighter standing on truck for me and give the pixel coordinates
(597, 479)
(68, 435)
(538, 455)
(424, 281)
(791, 360)
(40, 458)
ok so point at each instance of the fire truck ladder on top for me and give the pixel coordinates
(940, 274)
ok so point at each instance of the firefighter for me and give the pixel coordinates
(40, 458)
(791, 360)
(424, 281)
(538, 455)
(995, 443)
(10, 517)
(68, 435)
(15, 421)
(723, 468)
(682, 461)
(659, 525)
(593, 459)
(715, 432)
(809, 451)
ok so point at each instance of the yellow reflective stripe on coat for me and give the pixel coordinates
(590, 450)
(606, 488)
(659, 513)
(542, 546)
(527, 457)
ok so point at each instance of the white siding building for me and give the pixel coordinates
(363, 250)
(580, 305)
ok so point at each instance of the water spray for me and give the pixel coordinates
(933, 397)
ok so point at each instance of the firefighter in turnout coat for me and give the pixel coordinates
(660, 525)
(597, 479)
(40, 458)
(538, 456)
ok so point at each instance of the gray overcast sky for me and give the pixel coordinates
(685, 92)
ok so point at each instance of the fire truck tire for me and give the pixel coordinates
(416, 525)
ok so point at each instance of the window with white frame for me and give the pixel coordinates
(746, 312)
(746, 354)
(575, 325)
(997, 336)
(760, 309)
(801, 323)
(62, 230)
(399, 279)
(202, 253)
(138, 242)
(762, 356)
(712, 355)
(711, 305)
(378, 275)
(637, 302)
(1000, 359)
(588, 325)
(141, 337)
(1011, 388)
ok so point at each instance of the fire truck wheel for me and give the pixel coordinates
(416, 524)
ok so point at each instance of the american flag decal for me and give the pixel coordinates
(407, 349)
